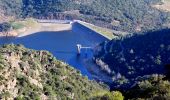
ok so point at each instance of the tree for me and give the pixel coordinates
(114, 95)
(5, 27)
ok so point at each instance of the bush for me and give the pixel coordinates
(4, 27)
(115, 95)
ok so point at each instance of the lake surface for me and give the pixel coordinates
(63, 44)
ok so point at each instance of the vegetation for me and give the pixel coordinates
(16, 25)
(12, 7)
(139, 64)
(154, 88)
(5, 27)
(30, 74)
(129, 59)
(116, 95)
(126, 15)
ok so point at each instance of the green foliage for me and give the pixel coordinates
(131, 59)
(16, 25)
(11, 7)
(1, 66)
(5, 95)
(1, 78)
(39, 74)
(1, 62)
(129, 14)
(5, 27)
(18, 98)
(115, 95)
(154, 88)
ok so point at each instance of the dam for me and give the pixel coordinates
(63, 44)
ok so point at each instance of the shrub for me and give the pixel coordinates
(4, 27)
(115, 95)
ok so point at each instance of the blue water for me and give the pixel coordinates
(63, 44)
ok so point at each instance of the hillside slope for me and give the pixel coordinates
(124, 15)
(133, 57)
(29, 74)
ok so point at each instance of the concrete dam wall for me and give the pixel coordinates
(77, 27)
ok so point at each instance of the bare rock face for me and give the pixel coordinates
(103, 65)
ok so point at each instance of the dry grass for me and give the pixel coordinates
(165, 5)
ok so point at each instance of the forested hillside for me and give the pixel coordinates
(126, 15)
(27, 74)
(128, 60)
(11, 7)
(36, 75)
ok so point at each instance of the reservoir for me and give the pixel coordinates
(62, 44)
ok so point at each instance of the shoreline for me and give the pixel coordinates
(44, 27)
(40, 27)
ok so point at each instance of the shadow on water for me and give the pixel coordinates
(61, 44)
